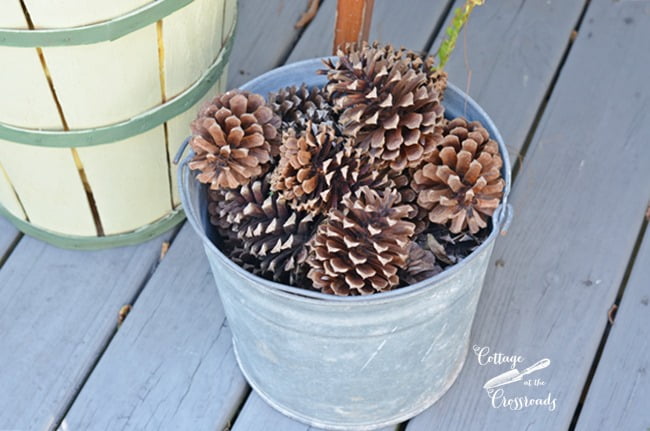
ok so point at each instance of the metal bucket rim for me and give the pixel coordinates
(499, 219)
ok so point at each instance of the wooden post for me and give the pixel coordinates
(352, 21)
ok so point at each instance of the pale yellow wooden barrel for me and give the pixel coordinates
(96, 97)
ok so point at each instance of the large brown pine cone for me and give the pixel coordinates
(317, 168)
(358, 250)
(262, 233)
(391, 109)
(234, 137)
(461, 185)
(297, 106)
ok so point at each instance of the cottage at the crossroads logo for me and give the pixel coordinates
(514, 389)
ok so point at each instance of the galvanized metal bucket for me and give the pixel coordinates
(349, 362)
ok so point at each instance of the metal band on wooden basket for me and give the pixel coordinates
(92, 33)
(78, 242)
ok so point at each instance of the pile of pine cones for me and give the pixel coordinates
(356, 188)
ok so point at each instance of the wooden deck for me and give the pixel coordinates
(567, 84)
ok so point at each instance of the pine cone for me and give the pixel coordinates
(420, 265)
(317, 169)
(297, 106)
(234, 137)
(359, 249)
(391, 109)
(267, 237)
(461, 184)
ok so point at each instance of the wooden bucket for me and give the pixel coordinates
(96, 96)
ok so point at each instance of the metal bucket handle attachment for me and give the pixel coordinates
(503, 217)
(181, 150)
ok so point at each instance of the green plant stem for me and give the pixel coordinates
(461, 15)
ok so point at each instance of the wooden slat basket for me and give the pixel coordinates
(95, 97)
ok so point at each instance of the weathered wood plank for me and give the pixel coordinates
(257, 415)
(512, 48)
(620, 390)
(171, 365)
(559, 269)
(265, 34)
(389, 21)
(58, 310)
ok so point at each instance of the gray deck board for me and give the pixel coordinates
(620, 390)
(8, 235)
(265, 33)
(58, 310)
(513, 48)
(389, 21)
(557, 272)
(171, 365)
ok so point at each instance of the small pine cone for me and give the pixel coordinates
(390, 108)
(297, 106)
(420, 265)
(317, 169)
(359, 249)
(234, 137)
(461, 185)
